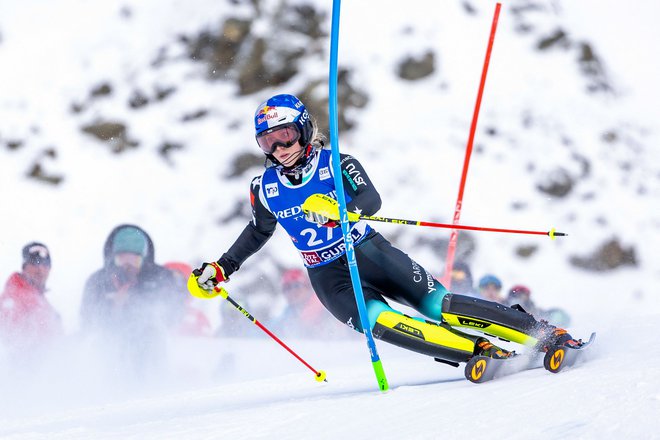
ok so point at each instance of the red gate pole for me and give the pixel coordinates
(451, 248)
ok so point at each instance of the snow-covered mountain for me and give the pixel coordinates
(141, 111)
(567, 129)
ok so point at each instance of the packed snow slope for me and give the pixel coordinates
(260, 392)
(548, 117)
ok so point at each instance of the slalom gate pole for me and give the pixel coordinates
(551, 233)
(341, 199)
(198, 292)
(451, 249)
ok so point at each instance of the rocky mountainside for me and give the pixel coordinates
(141, 111)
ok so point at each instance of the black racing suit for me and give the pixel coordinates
(385, 271)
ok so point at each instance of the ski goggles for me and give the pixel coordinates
(284, 136)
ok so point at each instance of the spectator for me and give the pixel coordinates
(261, 297)
(490, 288)
(131, 300)
(27, 320)
(461, 279)
(305, 315)
(521, 295)
(194, 321)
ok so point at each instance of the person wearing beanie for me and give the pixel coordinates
(131, 300)
(490, 288)
(520, 296)
(27, 320)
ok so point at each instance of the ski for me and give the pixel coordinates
(481, 369)
(559, 357)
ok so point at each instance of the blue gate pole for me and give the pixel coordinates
(341, 199)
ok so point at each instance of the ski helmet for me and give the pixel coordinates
(283, 120)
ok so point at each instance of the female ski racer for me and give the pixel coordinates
(297, 167)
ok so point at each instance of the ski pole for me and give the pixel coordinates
(552, 233)
(196, 291)
(327, 207)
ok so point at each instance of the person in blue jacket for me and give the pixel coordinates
(299, 166)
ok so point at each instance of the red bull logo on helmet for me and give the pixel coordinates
(276, 115)
(266, 116)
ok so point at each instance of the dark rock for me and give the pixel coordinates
(256, 73)
(467, 7)
(77, 107)
(138, 100)
(557, 183)
(557, 39)
(526, 251)
(14, 144)
(166, 149)
(219, 51)
(257, 62)
(113, 133)
(307, 21)
(412, 69)
(192, 116)
(103, 89)
(610, 136)
(348, 96)
(244, 162)
(609, 256)
(162, 93)
(38, 172)
(593, 69)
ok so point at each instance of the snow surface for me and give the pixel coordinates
(410, 136)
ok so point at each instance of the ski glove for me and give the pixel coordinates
(320, 220)
(324, 210)
(209, 275)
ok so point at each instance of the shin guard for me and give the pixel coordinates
(425, 337)
(490, 318)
